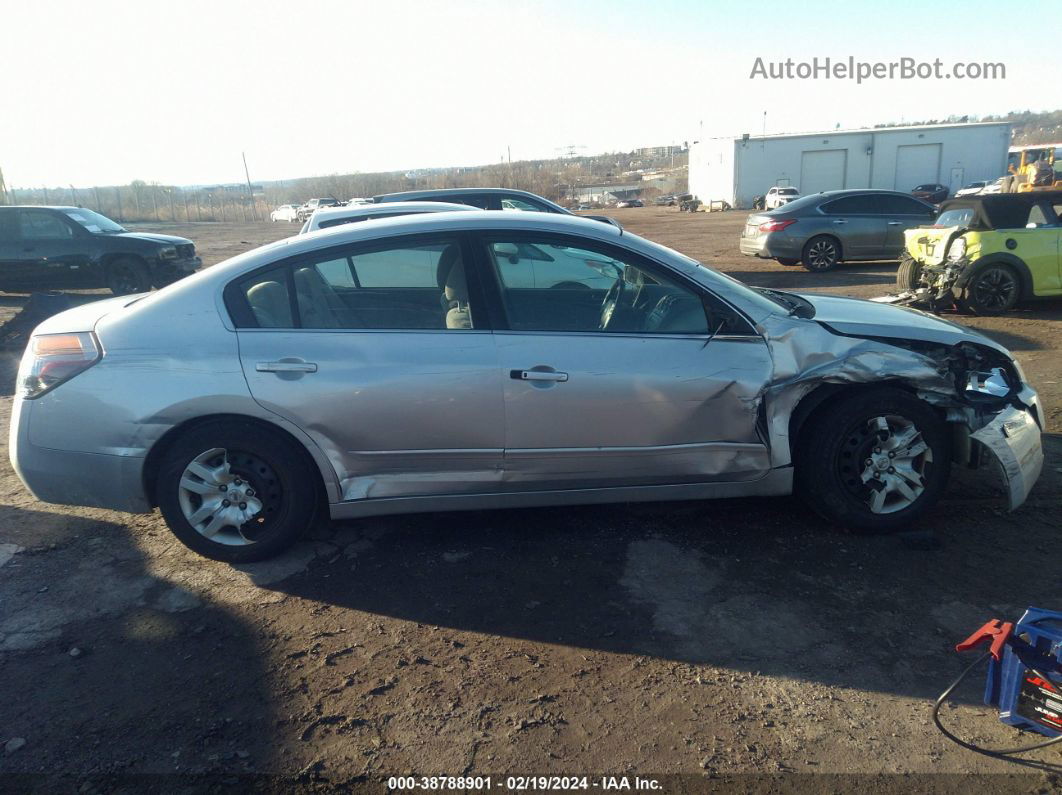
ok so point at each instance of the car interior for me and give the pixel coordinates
(544, 287)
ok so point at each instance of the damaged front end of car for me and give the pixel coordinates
(976, 387)
(931, 267)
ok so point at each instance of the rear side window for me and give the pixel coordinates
(268, 297)
(854, 205)
(397, 288)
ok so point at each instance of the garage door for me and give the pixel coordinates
(822, 170)
(917, 164)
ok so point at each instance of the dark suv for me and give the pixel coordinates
(47, 248)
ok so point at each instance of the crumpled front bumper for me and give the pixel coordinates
(1013, 439)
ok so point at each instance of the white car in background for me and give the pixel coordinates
(285, 212)
(777, 196)
(973, 188)
(353, 213)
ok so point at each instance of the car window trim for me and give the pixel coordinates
(496, 303)
(242, 318)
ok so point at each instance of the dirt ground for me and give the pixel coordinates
(735, 644)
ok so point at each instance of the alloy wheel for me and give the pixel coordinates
(994, 289)
(822, 255)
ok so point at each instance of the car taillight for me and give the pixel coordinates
(52, 359)
(776, 226)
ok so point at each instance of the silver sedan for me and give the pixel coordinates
(474, 359)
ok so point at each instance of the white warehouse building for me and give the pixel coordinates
(736, 170)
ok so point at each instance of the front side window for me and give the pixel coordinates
(42, 225)
(400, 287)
(904, 205)
(509, 203)
(548, 286)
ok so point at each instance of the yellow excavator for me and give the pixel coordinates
(1033, 168)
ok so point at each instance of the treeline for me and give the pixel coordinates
(1027, 127)
(557, 179)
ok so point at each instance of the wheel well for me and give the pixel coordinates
(108, 259)
(825, 395)
(155, 455)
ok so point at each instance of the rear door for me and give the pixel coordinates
(858, 221)
(612, 375)
(382, 355)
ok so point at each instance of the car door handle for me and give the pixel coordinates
(840, 221)
(286, 367)
(895, 223)
(538, 375)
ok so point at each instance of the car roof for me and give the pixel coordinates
(353, 210)
(412, 195)
(41, 207)
(1001, 210)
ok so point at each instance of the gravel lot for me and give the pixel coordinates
(701, 641)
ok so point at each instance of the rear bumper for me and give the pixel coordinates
(770, 246)
(67, 477)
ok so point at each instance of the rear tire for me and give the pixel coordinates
(908, 274)
(874, 461)
(822, 253)
(994, 290)
(128, 275)
(273, 488)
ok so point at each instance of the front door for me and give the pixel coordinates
(616, 374)
(383, 357)
(859, 224)
(902, 213)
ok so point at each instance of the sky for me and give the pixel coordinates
(103, 92)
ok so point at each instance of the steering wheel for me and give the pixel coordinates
(610, 302)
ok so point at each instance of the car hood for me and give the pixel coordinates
(166, 239)
(856, 317)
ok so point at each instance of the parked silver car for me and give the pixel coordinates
(825, 229)
(355, 213)
(483, 359)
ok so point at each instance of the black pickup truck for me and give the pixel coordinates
(49, 248)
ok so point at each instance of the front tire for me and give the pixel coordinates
(128, 275)
(787, 261)
(821, 254)
(234, 491)
(994, 290)
(908, 274)
(873, 462)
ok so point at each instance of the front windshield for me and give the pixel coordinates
(94, 222)
(961, 217)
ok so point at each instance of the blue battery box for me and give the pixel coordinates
(1025, 673)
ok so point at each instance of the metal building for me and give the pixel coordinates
(893, 158)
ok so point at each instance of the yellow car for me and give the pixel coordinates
(984, 253)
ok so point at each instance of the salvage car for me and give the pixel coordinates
(310, 207)
(985, 253)
(779, 196)
(434, 362)
(61, 248)
(822, 230)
